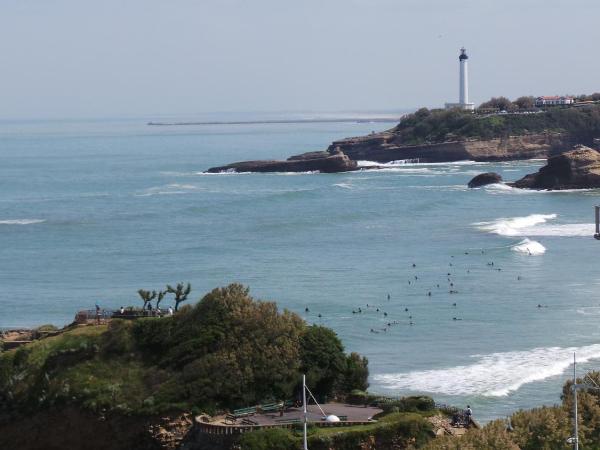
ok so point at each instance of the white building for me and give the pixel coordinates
(551, 100)
(463, 84)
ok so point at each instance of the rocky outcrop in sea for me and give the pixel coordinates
(575, 169)
(484, 179)
(342, 156)
(325, 162)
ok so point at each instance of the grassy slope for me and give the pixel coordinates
(76, 367)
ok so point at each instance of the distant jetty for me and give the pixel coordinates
(283, 121)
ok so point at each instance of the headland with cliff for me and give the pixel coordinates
(432, 136)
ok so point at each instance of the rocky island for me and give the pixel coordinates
(483, 179)
(431, 136)
(325, 162)
(575, 169)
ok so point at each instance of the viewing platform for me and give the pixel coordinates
(279, 416)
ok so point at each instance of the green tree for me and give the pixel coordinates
(525, 102)
(161, 295)
(323, 360)
(541, 428)
(146, 296)
(181, 293)
(588, 405)
(253, 347)
(357, 373)
(501, 103)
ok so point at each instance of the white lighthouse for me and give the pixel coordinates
(463, 87)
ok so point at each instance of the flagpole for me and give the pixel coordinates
(304, 409)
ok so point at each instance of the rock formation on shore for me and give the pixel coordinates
(575, 169)
(326, 162)
(342, 156)
(387, 146)
(433, 136)
(484, 179)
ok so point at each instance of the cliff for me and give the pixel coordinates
(450, 135)
(575, 169)
(388, 146)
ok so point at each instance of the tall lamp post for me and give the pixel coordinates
(575, 438)
(304, 410)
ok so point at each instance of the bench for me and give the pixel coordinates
(242, 412)
(271, 407)
(284, 421)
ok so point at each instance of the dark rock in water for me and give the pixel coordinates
(326, 162)
(576, 169)
(485, 178)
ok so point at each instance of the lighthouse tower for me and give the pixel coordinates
(463, 96)
(463, 87)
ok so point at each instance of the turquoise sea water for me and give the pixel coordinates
(93, 211)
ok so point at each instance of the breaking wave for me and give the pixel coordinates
(534, 225)
(529, 247)
(415, 162)
(502, 188)
(493, 375)
(21, 221)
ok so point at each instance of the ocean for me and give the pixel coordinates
(92, 211)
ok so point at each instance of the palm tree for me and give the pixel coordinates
(146, 296)
(180, 293)
(161, 295)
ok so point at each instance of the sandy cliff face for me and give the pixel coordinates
(384, 147)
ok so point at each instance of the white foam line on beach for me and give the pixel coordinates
(493, 375)
(21, 221)
(535, 225)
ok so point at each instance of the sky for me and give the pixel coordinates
(109, 58)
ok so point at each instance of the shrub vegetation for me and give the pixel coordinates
(431, 126)
(227, 351)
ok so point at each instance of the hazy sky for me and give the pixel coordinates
(70, 58)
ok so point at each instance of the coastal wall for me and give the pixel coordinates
(384, 147)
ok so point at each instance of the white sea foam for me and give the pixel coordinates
(21, 221)
(501, 188)
(414, 162)
(589, 310)
(494, 375)
(534, 225)
(344, 185)
(529, 247)
(233, 172)
(169, 189)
